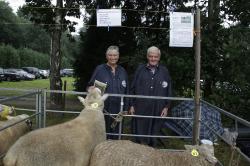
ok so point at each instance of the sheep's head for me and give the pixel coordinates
(94, 100)
(6, 111)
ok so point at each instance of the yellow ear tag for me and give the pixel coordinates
(94, 105)
(194, 153)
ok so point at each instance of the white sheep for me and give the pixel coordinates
(9, 136)
(127, 153)
(67, 144)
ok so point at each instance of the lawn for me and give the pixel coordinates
(35, 84)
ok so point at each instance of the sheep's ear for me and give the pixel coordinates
(81, 99)
(104, 97)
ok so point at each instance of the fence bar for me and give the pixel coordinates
(63, 92)
(242, 154)
(16, 89)
(17, 97)
(150, 136)
(44, 108)
(40, 109)
(120, 124)
(232, 116)
(69, 112)
(38, 104)
(153, 117)
(123, 95)
(24, 109)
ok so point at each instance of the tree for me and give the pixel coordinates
(9, 32)
(237, 10)
(53, 19)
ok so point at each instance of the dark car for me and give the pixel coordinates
(1, 74)
(11, 76)
(15, 71)
(32, 70)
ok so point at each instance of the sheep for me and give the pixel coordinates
(5, 112)
(9, 136)
(67, 144)
(127, 153)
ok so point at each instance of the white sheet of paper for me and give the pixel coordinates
(108, 17)
(181, 29)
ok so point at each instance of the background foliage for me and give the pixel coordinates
(224, 69)
(26, 44)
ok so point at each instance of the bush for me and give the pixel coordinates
(30, 57)
(9, 57)
(17, 58)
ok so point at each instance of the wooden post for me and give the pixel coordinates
(196, 125)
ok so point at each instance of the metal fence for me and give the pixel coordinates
(41, 110)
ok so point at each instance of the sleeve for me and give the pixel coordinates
(169, 90)
(133, 85)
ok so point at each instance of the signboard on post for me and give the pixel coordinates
(181, 29)
(108, 17)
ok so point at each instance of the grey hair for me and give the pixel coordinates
(116, 48)
(153, 49)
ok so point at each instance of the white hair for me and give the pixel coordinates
(153, 49)
(111, 48)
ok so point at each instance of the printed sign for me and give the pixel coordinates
(181, 29)
(109, 17)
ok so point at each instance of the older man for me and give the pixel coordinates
(116, 79)
(151, 79)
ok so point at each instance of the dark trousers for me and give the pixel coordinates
(143, 126)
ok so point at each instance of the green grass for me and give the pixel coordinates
(35, 84)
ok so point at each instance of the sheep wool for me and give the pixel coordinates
(67, 144)
(9, 136)
(127, 153)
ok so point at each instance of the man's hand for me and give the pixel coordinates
(164, 112)
(131, 110)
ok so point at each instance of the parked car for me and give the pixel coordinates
(25, 75)
(11, 76)
(32, 70)
(1, 74)
(67, 72)
(44, 73)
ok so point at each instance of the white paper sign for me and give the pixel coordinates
(109, 17)
(181, 29)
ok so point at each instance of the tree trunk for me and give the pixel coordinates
(213, 22)
(213, 13)
(55, 58)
